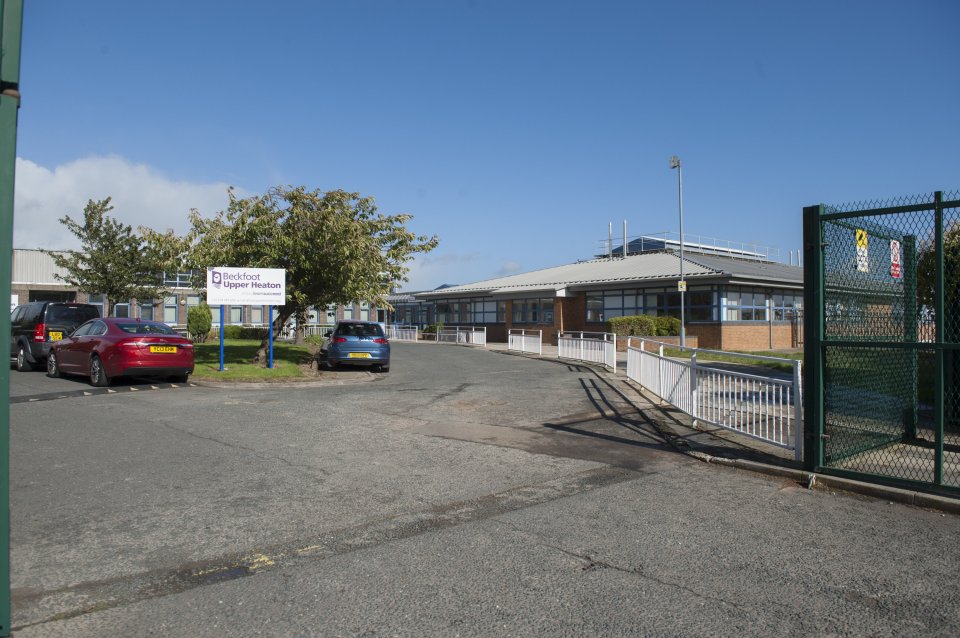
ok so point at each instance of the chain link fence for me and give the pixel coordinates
(882, 336)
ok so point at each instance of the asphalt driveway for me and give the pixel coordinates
(464, 493)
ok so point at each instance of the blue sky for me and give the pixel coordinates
(515, 131)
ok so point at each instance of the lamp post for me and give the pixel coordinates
(675, 163)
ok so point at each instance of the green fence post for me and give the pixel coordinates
(11, 28)
(909, 260)
(812, 338)
(939, 312)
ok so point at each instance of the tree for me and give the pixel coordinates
(335, 247)
(199, 322)
(113, 260)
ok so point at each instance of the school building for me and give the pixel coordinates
(735, 300)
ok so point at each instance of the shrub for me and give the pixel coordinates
(199, 322)
(257, 333)
(633, 326)
(668, 326)
(433, 328)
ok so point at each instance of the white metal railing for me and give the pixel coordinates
(763, 407)
(529, 341)
(464, 335)
(592, 347)
(403, 333)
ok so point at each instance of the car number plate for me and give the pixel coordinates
(164, 349)
(55, 336)
(359, 355)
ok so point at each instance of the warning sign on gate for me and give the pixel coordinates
(863, 253)
(895, 267)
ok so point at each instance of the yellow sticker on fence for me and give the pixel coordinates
(861, 238)
(863, 254)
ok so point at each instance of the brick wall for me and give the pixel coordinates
(756, 336)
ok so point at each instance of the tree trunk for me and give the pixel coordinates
(276, 327)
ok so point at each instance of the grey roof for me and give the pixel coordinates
(749, 269)
(635, 268)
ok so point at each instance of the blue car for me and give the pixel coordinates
(358, 343)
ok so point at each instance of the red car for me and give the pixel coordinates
(109, 347)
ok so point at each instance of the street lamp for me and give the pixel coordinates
(675, 163)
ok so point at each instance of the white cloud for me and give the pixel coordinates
(142, 196)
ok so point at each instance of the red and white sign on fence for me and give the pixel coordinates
(895, 265)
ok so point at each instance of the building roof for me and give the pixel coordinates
(633, 269)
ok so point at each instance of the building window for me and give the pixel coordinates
(121, 310)
(146, 311)
(236, 314)
(256, 315)
(330, 315)
(193, 300)
(170, 309)
(177, 279)
(364, 312)
(539, 311)
(348, 311)
(745, 304)
(787, 305)
(100, 301)
(594, 307)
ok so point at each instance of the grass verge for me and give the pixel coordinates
(238, 361)
(733, 358)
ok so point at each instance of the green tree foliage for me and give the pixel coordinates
(335, 247)
(927, 275)
(113, 260)
(199, 322)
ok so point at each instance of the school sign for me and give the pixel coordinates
(246, 286)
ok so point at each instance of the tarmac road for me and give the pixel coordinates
(464, 493)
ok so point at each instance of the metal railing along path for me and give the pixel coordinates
(463, 335)
(528, 341)
(590, 347)
(403, 333)
(762, 407)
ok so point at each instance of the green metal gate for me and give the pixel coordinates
(882, 341)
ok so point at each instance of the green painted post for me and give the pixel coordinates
(11, 28)
(909, 273)
(812, 338)
(939, 312)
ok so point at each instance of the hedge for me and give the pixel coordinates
(668, 326)
(245, 332)
(633, 326)
(644, 326)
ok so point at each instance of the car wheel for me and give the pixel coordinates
(23, 364)
(385, 368)
(53, 369)
(98, 376)
(180, 378)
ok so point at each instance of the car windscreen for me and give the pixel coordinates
(74, 315)
(146, 328)
(360, 330)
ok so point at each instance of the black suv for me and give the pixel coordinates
(35, 325)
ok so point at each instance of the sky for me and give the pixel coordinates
(515, 131)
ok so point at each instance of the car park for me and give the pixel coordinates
(357, 343)
(103, 349)
(36, 326)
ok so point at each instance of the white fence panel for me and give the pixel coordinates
(590, 347)
(403, 333)
(464, 335)
(528, 341)
(766, 408)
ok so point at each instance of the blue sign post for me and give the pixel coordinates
(221, 338)
(270, 328)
